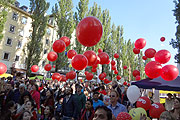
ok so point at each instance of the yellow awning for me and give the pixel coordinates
(6, 75)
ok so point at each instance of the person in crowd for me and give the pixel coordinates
(16, 92)
(169, 104)
(176, 111)
(69, 106)
(26, 115)
(116, 87)
(36, 95)
(48, 113)
(166, 116)
(9, 94)
(49, 101)
(80, 98)
(96, 101)
(22, 88)
(115, 106)
(124, 98)
(102, 113)
(88, 112)
(2, 94)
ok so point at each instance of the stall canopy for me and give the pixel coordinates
(159, 84)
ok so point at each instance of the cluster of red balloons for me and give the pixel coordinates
(59, 77)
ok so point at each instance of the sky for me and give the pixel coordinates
(148, 19)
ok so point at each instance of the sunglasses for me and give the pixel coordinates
(112, 96)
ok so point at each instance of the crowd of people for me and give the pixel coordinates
(24, 99)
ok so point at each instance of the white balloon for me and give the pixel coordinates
(133, 93)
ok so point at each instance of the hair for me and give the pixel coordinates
(17, 84)
(21, 115)
(178, 99)
(35, 86)
(51, 111)
(96, 93)
(108, 111)
(51, 91)
(32, 104)
(10, 104)
(26, 93)
(90, 100)
(166, 115)
(117, 94)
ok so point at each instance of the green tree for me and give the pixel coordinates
(4, 5)
(38, 10)
(65, 23)
(176, 42)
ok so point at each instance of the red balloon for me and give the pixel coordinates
(3, 68)
(136, 72)
(150, 52)
(125, 83)
(59, 46)
(100, 50)
(71, 54)
(52, 56)
(68, 75)
(63, 78)
(108, 62)
(116, 71)
(129, 84)
(89, 76)
(125, 67)
(113, 67)
(86, 72)
(113, 62)
(162, 56)
(124, 116)
(101, 76)
(54, 66)
(104, 57)
(47, 67)
(104, 74)
(79, 62)
(144, 57)
(162, 39)
(118, 77)
(91, 56)
(144, 102)
(140, 43)
(93, 70)
(95, 66)
(138, 78)
(169, 72)
(72, 75)
(89, 31)
(116, 55)
(34, 68)
(153, 69)
(56, 76)
(98, 60)
(156, 109)
(66, 40)
(106, 81)
(136, 51)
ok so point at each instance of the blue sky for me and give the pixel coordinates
(148, 19)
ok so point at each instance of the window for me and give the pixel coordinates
(6, 56)
(17, 58)
(21, 33)
(15, 16)
(48, 31)
(12, 28)
(45, 51)
(19, 44)
(9, 41)
(24, 20)
(47, 41)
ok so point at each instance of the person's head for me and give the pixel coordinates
(22, 88)
(26, 96)
(78, 88)
(49, 93)
(102, 113)
(166, 116)
(89, 104)
(177, 103)
(9, 86)
(114, 96)
(169, 95)
(29, 105)
(10, 105)
(26, 115)
(48, 111)
(68, 91)
(35, 87)
(16, 85)
(95, 96)
(114, 83)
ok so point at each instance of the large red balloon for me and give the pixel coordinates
(91, 56)
(72, 75)
(162, 56)
(162, 39)
(153, 69)
(156, 109)
(89, 76)
(89, 31)
(56, 76)
(104, 57)
(124, 116)
(140, 43)
(34, 68)
(47, 67)
(118, 77)
(144, 57)
(144, 102)
(79, 62)
(116, 71)
(59, 46)
(125, 67)
(136, 72)
(101, 76)
(169, 72)
(150, 52)
(113, 62)
(66, 40)
(116, 55)
(52, 56)
(136, 51)
(71, 54)
(138, 78)
(100, 50)
(3, 68)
